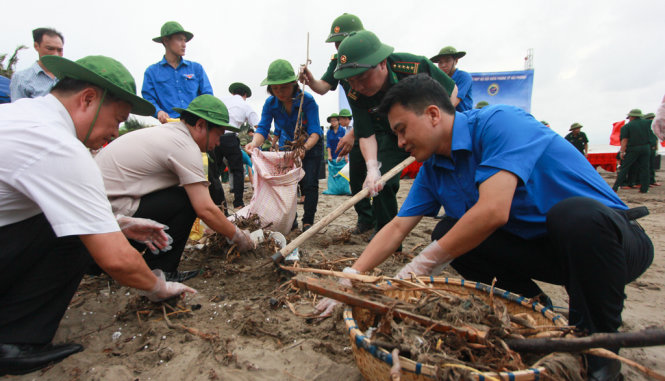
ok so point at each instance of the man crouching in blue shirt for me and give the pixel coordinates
(521, 204)
(173, 81)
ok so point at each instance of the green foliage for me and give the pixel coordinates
(8, 71)
(131, 125)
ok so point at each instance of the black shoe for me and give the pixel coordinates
(361, 228)
(26, 358)
(181, 276)
(305, 227)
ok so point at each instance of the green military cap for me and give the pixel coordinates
(649, 116)
(342, 26)
(544, 122)
(333, 115)
(345, 113)
(104, 72)
(240, 88)
(359, 52)
(635, 112)
(211, 109)
(482, 104)
(574, 126)
(279, 72)
(170, 28)
(448, 51)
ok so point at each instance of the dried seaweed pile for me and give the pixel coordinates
(453, 353)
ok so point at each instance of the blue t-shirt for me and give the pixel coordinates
(285, 124)
(463, 81)
(501, 137)
(166, 87)
(332, 139)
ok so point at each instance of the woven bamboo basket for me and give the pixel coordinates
(375, 362)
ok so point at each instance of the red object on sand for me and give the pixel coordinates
(607, 161)
(411, 171)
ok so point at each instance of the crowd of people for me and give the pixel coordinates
(521, 204)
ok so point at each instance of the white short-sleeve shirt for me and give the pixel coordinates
(44, 168)
(240, 112)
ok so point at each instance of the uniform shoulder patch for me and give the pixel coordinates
(334, 57)
(405, 67)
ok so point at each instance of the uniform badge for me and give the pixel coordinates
(342, 59)
(352, 95)
(337, 29)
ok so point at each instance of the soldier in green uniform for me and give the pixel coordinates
(634, 150)
(653, 142)
(367, 68)
(578, 138)
(341, 27)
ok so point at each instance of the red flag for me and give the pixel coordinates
(615, 137)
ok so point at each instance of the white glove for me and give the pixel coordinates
(243, 240)
(149, 232)
(658, 124)
(432, 260)
(163, 290)
(373, 179)
(326, 305)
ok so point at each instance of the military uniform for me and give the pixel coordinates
(579, 141)
(368, 122)
(637, 153)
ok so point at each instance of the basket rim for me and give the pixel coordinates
(362, 342)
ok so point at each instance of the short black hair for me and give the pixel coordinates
(67, 85)
(38, 34)
(191, 120)
(415, 93)
(240, 91)
(295, 89)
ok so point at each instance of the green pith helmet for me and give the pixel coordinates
(482, 104)
(544, 122)
(279, 72)
(211, 109)
(239, 87)
(333, 115)
(649, 116)
(447, 51)
(345, 113)
(342, 26)
(359, 52)
(635, 112)
(170, 28)
(574, 126)
(104, 72)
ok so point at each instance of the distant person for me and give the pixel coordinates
(157, 173)
(4, 90)
(55, 217)
(544, 122)
(240, 112)
(447, 60)
(635, 150)
(37, 80)
(173, 81)
(282, 108)
(653, 143)
(578, 138)
(334, 134)
(658, 124)
(481, 104)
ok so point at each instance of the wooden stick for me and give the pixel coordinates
(279, 256)
(600, 352)
(644, 338)
(332, 290)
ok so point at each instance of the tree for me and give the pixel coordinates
(8, 71)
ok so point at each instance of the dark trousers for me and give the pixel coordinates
(229, 148)
(385, 203)
(39, 274)
(590, 249)
(357, 173)
(309, 184)
(171, 207)
(636, 158)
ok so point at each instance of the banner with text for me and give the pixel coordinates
(504, 87)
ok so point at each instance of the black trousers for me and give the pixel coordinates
(39, 274)
(590, 249)
(229, 148)
(171, 207)
(309, 184)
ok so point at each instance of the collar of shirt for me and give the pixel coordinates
(461, 141)
(58, 108)
(183, 62)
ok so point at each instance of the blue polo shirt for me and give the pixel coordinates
(332, 139)
(501, 137)
(463, 81)
(166, 87)
(285, 124)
